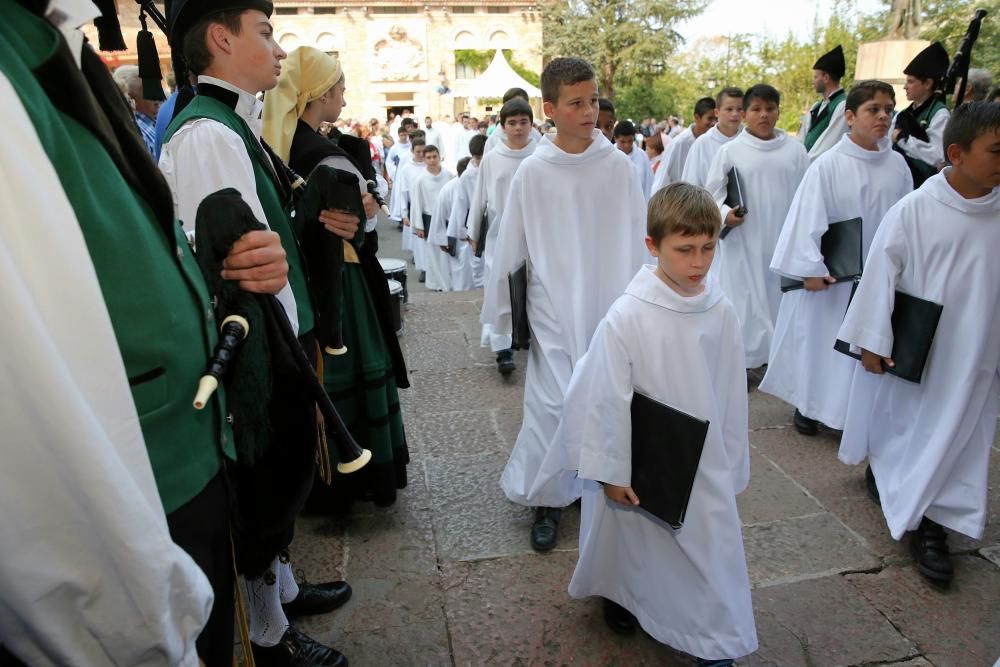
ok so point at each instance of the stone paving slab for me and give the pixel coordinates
(806, 623)
(772, 495)
(954, 626)
(475, 388)
(456, 433)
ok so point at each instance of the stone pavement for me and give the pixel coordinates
(447, 577)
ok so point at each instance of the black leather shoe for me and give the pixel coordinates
(545, 530)
(422, 278)
(618, 618)
(930, 549)
(318, 598)
(297, 650)
(872, 487)
(804, 425)
(505, 362)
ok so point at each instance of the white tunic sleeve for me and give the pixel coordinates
(797, 253)
(418, 196)
(734, 409)
(716, 181)
(459, 213)
(868, 323)
(833, 132)
(442, 209)
(478, 203)
(88, 572)
(511, 249)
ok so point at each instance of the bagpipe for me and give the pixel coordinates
(360, 153)
(958, 70)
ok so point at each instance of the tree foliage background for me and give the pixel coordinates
(648, 70)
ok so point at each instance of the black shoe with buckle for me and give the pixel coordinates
(930, 549)
(318, 598)
(505, 362)
(872, 487)
(619, 619)
(804, 425)
(545, 530)
(297, 650)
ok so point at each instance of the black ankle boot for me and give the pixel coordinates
(545, 530)
(930, 549)
(618, 618)
(505, 362)
(804, 425)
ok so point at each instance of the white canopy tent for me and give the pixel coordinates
(498, 78)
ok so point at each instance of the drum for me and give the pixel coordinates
(396, 305)
(395, 269)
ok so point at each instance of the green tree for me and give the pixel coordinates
(625, 40)
(946, 21)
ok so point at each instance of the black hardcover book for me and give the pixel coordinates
(666, 450)
(484, 227)
(734, 198)
(914, 322)
(426, 218)
(841, 248)
(517, 280)
(453, 246)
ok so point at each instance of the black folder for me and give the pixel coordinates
(517, 280)
(914, 322)
(484, 226)
(734, 198)
(453, 246)
(841, 248)
(426, 217)
(666, 450)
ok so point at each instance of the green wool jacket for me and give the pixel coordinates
(154, 292)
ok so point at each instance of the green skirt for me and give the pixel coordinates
(362, 386)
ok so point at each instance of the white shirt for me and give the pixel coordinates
(205, 156)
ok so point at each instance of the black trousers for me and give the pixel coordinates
(201, 528)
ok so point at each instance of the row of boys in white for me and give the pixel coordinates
(579, 220)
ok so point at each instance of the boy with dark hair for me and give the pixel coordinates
(458, 265)
(729, 105)
(458, 221)
(398, 153)
(495, 173)
(673, 337)
(214, 142)
(861, 177)
(606, 118)
(928, 444)
(624, 138)
(406, 177)
(497, 136)
(675, 153)
(826, 118)
(424, 200)
(581, 177)
(917, 129)
(770, 165)
(515, 92)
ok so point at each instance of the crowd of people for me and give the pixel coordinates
(139, 529)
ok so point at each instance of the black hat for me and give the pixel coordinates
(832, 63)
(182, 15)
(931, 63)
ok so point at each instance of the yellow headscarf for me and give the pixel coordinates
(306, 75)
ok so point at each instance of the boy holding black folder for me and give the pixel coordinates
(673, 337)
(770, 165)
(576, 215)
(928, 443)
(859, 177)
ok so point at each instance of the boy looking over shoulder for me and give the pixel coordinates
(928, 444)
(673, 337)
(575, 271)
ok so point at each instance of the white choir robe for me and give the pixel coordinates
(575, 272)
(394, 159)
(424, 200)
(643, 169)
(702, 153)
(459, 269)
(688, 588)
(466, 266)
(672, 161)
(462, 139)
(834, 132)
(499, 136)
(845, 182)
(929, 443)
(406, 178)
(492, 185)
(931, 152)
(770, 172)
(89, 574)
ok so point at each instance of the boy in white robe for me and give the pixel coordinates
(675, 154)
(495, 173)
(674, 337)
(458, 265)
(729, 108)
(928, 444)
(576, 216)
(624, 136)
(406, 179)
(459, 219)
(499, 135)
(771, 165)
(423, 202)
(861, 177)
(396, 154)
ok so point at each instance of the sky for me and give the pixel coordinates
(774, 18)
